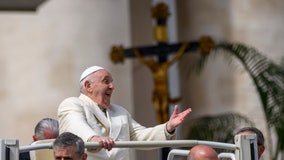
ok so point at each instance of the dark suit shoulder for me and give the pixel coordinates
(24, 156)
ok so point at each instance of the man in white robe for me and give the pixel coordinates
(92, 117)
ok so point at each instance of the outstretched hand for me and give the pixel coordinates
(177, 118)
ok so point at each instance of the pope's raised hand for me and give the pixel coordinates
(177, 118)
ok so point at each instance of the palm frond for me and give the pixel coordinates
(268, 78)
(197, 67)
(199, 61)
(221, 127)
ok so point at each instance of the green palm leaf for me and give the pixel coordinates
(268, 78)
(220, 128)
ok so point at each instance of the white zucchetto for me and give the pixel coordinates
(89, 71)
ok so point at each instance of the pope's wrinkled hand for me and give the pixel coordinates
(177, 118)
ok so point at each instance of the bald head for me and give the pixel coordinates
(202, 152)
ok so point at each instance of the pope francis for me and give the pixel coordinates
(92, 117)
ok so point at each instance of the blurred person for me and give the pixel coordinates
(47, 128)
(68, 146)
(259, 138)
(92, 117)
(202, 152)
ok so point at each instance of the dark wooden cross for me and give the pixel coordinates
(159, 66)
(162, 50)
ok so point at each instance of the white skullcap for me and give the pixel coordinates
(89, 71)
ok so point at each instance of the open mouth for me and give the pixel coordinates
(108, 94)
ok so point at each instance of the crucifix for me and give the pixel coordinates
(162, 51)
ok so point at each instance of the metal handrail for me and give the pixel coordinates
(227, 155)
(177, 152)
(141, 144)
(245, 146)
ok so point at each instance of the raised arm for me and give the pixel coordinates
(179, 53)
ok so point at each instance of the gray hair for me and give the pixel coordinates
(67, 139)
(82, 87)
(46, 123)
(259, 135)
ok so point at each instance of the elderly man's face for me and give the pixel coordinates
(100, 88)
(68, 153)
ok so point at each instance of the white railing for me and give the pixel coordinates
(227, 155)
(177, 152)
(241, 148)
(142, 144)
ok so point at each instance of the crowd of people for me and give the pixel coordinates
(92, 117)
